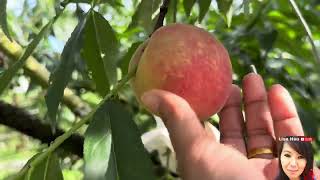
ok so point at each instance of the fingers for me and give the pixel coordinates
(285, 117)
(259, 122)
(232, 123)
(181, 121)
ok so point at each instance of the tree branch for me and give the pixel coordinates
(22, 121)
(41, 75)
(162, 15)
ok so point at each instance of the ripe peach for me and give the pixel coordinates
(185, 60)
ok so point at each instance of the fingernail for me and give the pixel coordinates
(150, 101)
(253, 69)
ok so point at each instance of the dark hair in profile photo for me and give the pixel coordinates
(305, 150)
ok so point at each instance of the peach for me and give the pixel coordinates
(185, 60)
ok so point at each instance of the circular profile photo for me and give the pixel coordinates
(295, 159)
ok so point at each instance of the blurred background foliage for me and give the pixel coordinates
(266, 33)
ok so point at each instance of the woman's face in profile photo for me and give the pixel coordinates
(293, 163)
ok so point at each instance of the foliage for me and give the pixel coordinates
(87, 44)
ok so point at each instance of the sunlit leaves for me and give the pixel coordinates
(124, 157)
(7, 75)
(100, 40)
(61, 76)
(3, 18)
(97, 145)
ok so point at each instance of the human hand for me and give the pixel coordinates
(201, 157)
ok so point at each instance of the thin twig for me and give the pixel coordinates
(307, 29)
(162, 15)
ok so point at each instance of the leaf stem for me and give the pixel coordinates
(307, 29)
(59, 140)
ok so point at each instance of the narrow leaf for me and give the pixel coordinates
(91, 53)
(156, 5)
(188, 4)
(112, 166)
(7, 75)
(204, 7)
(21, 175)
(172, 11)
(142, 16)
(3, 18)
(226, 10)
(124, 62)
(109, 46)
(229, 16)
(132, 161)
(224, 5)
(97, 145)
(61, 76)
(111, 2)
(48, 169)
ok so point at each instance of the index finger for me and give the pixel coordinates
(181, 121)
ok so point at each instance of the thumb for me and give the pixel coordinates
(181, 121)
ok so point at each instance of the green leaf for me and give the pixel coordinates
(109, 45)
(3, 18)
(204, 7)
(143, 16)
(49, 169)
(224, 5)
(229, 16)
(112, 166)
(130, 157)
(100, 39)
(171, 15)
(21, 175)
(111, 2)
(7, 75)
(97, 145)
(226, 10)
(61, 76)
(188, 4)
(124, 62)
(156, 5)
